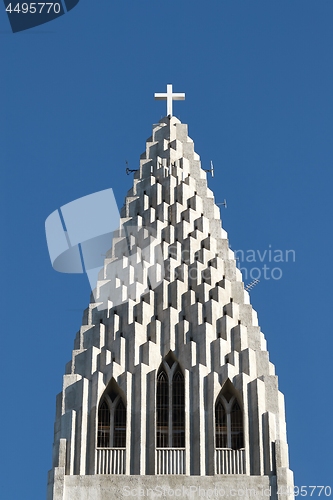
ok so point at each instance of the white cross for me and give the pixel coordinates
(169, 96)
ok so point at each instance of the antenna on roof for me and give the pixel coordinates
(211, 169)
(224, 203)
(129, 170)
(251, 285)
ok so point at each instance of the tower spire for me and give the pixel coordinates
(170, 382)
(169, 96)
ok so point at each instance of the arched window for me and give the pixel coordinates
(221, 425)
(178, 410)
(103, 437)
(111, 422)
(162, 410)
(170, 406)
(228, 422)
(119, 427)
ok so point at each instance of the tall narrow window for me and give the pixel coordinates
(228, 422)
(236, 424)
(178, 410)
(119, 429)
(103, 436)
(111, 430)
(162, 410)
(170, 406)
(221, 425)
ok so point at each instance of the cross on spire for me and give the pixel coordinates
(169, 96)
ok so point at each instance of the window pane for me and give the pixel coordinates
(237, 438)
(103, 435)
(162, 411)
(221, 426)
(119, 431)
(178, 411)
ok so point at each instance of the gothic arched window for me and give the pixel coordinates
(228, 422)
(170, 406)
(119, 425)
(111, 423)
(221, 425)
(236, 427)
(162, 410)
(178, 410)
(103, 438)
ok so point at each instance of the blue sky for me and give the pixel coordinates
(77, 102)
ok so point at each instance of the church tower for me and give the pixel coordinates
(170, 390)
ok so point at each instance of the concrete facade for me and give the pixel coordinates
(200, 315)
